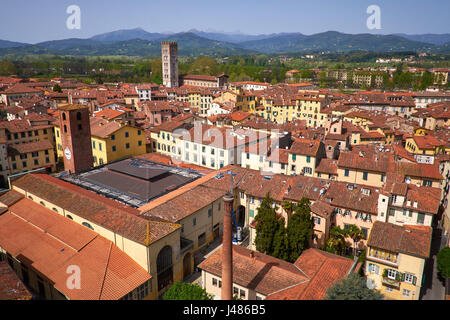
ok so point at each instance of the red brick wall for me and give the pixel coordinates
(78, 141)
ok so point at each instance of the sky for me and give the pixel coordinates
(43, 20)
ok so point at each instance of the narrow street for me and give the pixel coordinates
(433, 288)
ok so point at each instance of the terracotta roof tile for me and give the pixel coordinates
(11, 287)
(28, 147)
(305, 147)
(108, 213)
(411, 240)
(45, 241)
(261, 273)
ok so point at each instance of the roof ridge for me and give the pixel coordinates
(106, 270)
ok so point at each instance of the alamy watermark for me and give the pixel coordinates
(374, 20)
(74, 280)
(74, 20)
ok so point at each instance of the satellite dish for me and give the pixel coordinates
(370, 284)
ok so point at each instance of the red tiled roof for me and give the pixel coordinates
(239, 116)
(328, 166)
(51, 243)
(308, 279)
(11, 287)
(421, 170)
(322, 208)
(10, 197)
(199, 77)
(17, 126)
(411, 240)
(368, 161)
(28, 147)
(323, 268)
(22, 88)
(103, 128)
(428, 198)
(402, 153)
(108, 213)
(109, 114)
(261, 273)
(186, 203)
(427, 142)
(305, 147)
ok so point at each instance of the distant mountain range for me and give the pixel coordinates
(10, 44)
(138, 42)
(437, 39)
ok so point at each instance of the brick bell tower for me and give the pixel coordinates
(75, 131)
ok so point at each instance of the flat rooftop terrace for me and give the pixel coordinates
(134, 182)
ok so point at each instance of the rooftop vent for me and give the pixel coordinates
(219, 176)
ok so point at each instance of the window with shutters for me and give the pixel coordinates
(409, 278)
(373, 268)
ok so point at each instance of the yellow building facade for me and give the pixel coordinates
(118, 142)
(393, 266)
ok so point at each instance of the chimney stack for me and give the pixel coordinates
(227, 249)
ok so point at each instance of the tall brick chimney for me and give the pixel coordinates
(227, 249)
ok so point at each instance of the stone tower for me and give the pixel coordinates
(76, 138)
(170, 64)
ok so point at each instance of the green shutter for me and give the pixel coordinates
(414, 280)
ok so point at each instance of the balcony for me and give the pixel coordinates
(391, 282)
(390, 259)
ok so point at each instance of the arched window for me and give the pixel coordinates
(30, 197)
(56, 210)
(65, 128)
(69, 217)
(87, 225)
(42, 203)
(64, 116)
(164, 267)
(78, 115)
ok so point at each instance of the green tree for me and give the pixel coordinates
(57, 88)
(7, 67)
(443, 262)
(336, 241)
(156, 70)
(353, 287)
(269, 229)
(299, 229)
(288, 206)
(186, 291)
(281, 249)
(355, 233)
(426, 80)
(205, 65)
